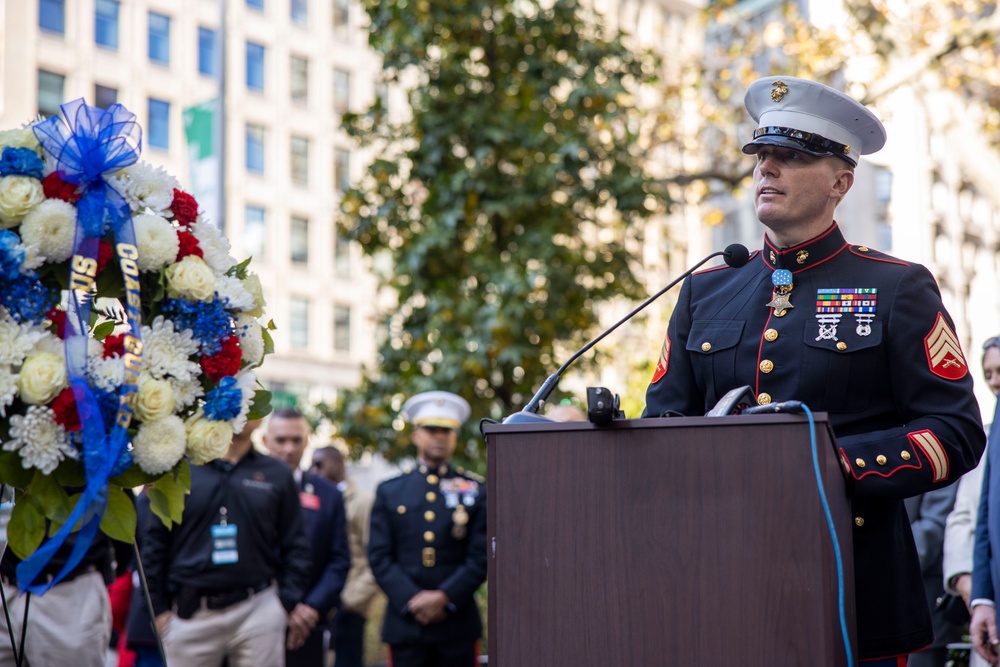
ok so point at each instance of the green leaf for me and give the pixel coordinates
(133, 477)
(12, 473)
(182, 473)
(166, 494)
(26, 528)
(119, 518)
(51, 497)
(240, 270)
(268, 340)
(71, 473)
(261, 405)
(104, 329)
(160, 504)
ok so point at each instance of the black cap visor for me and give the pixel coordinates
(805, 142)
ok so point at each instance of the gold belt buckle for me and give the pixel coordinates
(428, 556)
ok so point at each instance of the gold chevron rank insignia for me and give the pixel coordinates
(944, 353)
(664, 361)
(933, 451)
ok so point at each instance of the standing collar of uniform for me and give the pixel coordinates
(806, 255)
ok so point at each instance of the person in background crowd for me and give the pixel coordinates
(285, 438)
(224, 579)
(349, 621)
(427, 547)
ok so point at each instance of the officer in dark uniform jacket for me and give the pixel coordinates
(427, 547)
(843, 328)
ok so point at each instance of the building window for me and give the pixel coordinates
(300, 11)
(300, 239)
(341, 16)
(104, 96)
(50, 92)
(341, 328)
(207, 52)
(106, 23)
(158, 130)
(341, 257)
(300, 160)
(159, 38)
(256, 4)
(52, 15)
(342, 169)
(255, 148)
(341, 90)
(298, 327)
(255, 66)
(254, 229)
(299, 79)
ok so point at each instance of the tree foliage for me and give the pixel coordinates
(509, 204)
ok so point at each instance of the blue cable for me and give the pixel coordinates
(833, 534)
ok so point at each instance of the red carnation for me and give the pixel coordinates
(225, 362)
(114, 344)
(104, 254)
(58, 319)
(189, 245)
(185, 208)
(64, 405)
(56, 188)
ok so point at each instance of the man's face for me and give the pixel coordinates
(991, 368)
(435, 444)
(331, 467)
(794, 190)
(286, 439)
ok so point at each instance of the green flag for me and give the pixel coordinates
(203, 158)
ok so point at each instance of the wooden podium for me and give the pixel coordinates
(673, 542)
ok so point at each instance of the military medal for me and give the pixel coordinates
(460, 518)
(781, 296)
(831, 304)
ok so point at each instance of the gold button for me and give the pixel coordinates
(431, 496)
(705, 347)
(429, 536)
(763, 398)
(781, 313)
(904, 455)
(863, 248)
(881, 460)
(859, 462)
(429, 515)
(859, 521)
(401, 509)
(443, 470)
(771, 335)
(766, 366)
(432, 479)
(428, 556)
(841, 346)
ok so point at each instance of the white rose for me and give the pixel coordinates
(154, 400)
(156, 241)
(18, 195)
(207, 440)
(42, 377)
(21, 137)
(252, 284)
(190, 278)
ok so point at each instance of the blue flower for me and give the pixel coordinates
(225, 401)
(208, 321)
(27, 298)
(20, 162)
(11, 255)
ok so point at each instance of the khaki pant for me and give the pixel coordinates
(69, 625)
(251, 633)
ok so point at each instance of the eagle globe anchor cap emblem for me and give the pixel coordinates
(778, 90)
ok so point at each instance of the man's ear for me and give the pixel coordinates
(844, 181)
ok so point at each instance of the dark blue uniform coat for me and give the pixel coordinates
(326, 526)
(414, 513)
(891, 375)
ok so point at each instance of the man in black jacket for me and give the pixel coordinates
(427, 547)
(224, 580)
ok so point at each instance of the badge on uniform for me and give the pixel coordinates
(308, 499)
(832, 303)
(461, 519)
(944, 352)
(224, 551)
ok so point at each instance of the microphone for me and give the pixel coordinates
(770, 408)
(735, 255)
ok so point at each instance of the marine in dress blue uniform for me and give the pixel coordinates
(847, 330)
(427, 547)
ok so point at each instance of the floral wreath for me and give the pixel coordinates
(128, 335)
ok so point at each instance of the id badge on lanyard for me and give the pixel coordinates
(224, 550)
